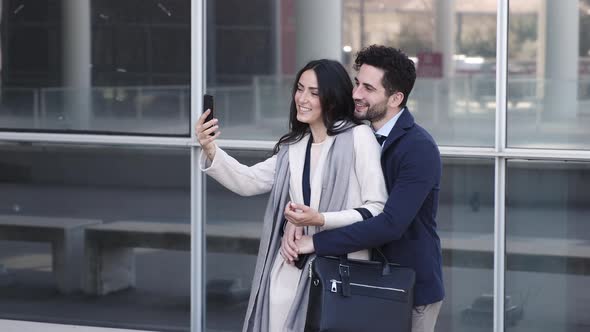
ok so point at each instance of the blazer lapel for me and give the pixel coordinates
(405, 122)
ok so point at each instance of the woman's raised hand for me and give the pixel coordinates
(206, 133)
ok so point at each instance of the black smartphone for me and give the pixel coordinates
(208, 104)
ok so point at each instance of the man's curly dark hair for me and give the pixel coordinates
(399, 70)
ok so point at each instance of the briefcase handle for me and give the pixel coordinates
(344, 271)
(386, 270)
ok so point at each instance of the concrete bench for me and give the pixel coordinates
(66, 236)
(110, 260)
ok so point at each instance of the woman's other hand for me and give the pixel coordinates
(302, 215)
(203, 132)
(288, 247)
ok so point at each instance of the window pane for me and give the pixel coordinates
(233, 229)
(252, 59)
(95, 235)
(547, 237)
(548, 71)
(454, 46)
(466, 226)
(250, 65)
(96, 66)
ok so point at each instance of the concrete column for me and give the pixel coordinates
(77, 61)
(318, 30)
(444, 42)
(557, 58)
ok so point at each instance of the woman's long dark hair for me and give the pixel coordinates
(335, 92)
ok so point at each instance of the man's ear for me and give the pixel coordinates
(395, 100)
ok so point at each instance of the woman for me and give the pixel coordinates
(327, 161)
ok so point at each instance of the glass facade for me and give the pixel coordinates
(60, 201)
(119, 230)
(547, 236)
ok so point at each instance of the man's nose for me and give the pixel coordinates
(356, 93)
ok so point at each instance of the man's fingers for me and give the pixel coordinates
(298, 233)
(288, 253)
(291, 244)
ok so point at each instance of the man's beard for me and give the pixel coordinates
(375, 113)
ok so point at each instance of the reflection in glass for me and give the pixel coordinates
(95, 235)
(233, 231)
(453, 45)
(452, 42)
(547, 236)
(95, 66)
(466, 227)
(548, 74)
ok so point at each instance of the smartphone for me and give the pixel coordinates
(208, 104)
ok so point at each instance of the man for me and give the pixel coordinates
(406, 230)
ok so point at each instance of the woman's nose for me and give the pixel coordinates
(303, 96)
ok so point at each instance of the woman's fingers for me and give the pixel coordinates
(205, 139)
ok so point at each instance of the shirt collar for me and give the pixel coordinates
(386, 129)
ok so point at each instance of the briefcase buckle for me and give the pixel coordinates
(344, 270)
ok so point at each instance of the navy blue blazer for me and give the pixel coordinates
(406, 230)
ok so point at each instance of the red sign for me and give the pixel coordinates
(430, 64)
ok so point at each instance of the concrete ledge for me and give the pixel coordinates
(20, 326)
(459, 249)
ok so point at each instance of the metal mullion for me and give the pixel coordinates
(94, 139)
(544, 154)
(245, 144)
(445, 151)
(198, 51)
(499, 242)
(500, 165)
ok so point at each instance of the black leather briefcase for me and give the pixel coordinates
(357, 296)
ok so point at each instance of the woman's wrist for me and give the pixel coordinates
(210, 151)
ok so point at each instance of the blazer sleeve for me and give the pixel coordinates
(368, 171)
(239, 178)
(418, 172)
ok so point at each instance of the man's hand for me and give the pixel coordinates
(288, 247)
(305, 245)
(302, 215)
